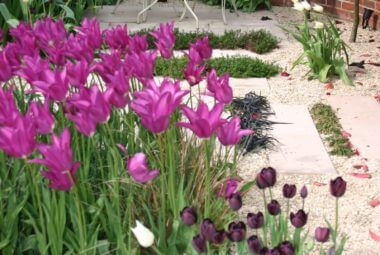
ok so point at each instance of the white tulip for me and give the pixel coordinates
(319, 25)
(306, 5)
(143, 235)
(318, 8)
(295, 1)
(298, 7)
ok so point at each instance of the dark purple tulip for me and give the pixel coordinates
(266, 178)
(274, 251)
(219, 236)
(289, 191)
(274, 207)
(188, 216)
(264, 250)
(207, 229)
(235, 201)
(298, 219)
(286, 248)
(338, 187)
(303, 192)
(254, 244)
(237, 231)
(322, 234)
(255, 221)
(199, 244)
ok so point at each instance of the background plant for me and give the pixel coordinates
(325, 52)
(244, 5)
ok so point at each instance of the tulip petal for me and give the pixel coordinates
(374, 236)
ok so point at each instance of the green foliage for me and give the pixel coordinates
(244, 5)
(237, 67)
(324, 51)
(259, 41)
(327, 123)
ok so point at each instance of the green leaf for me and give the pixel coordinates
(324, 72)
(247, 186)
(9, 18)
(69, 13)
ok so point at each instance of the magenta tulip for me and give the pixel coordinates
(138, 43)
(41, 117)
(8, 108)
(203, 47)
(219, 87)
(193, 73)
(79, 50)
(52, 84)
(230, 133)
(58, 158)
(89, 31)
(117, 89)
(109, 64)
(138, 169)
(229, 188)
(33, 69)
(78, 73)
(5, 68)
(142, 65)
(203, 122)
(165, 39)
(117, 37)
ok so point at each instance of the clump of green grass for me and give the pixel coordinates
(327, 123)
(237, 67)
(260, 41)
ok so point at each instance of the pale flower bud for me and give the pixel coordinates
(299, 7)
(306, 5)
(143, 235)
(318, 8)
(295, 1)
(319, 25)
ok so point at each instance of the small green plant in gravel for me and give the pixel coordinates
(237, 67)
(327, 123)
(259, 41)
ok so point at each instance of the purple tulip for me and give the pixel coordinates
(303, 192)
(338, 187)
(255, 221)
(322, 234)
(138, 43)
(52, 84)
(24, 40)
(142, 65)
(138, 168)
(165, 39)
(199, 244)
(219, 87)
(219, 236)
(235, 201)
(78, 73)
(58, 158)
(286, 248)
(18, 139)
(237, 231)
(194, 56)
(155, 104)
(254, 244)
(203, 122)
(109, 64)
(41, 117)
(274, 251)
(89, 31)
(230, 132)
(5, 68)
(117, 37)
(289, 191)
(87, 108)
(193, 73)
(117, 89)
(79, 50)
(207, 229)
(229, 188)
(298, 219)
(266, 178)
(274, 208)
(8, 108)
(203, 48)
(33, 69)
(188, 216)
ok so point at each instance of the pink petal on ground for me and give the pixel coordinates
(329, 85)
(357, 152)
(285, 74)
(375, 201)
(365, 55)
(319, 184)
(361, 175)
(365, 168)
(357, 166)
(374, 236)
(345, 134)
(377, 97)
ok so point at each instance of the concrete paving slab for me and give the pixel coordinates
(360, 116)
(300, 149)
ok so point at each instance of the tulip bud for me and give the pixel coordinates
(298, 219)
(289, 191)
(286, 248)
(255, 221)
(219, 236)
(304, 192)
(338, 187)
(235, 201)
(254, 244)
(274, 251)
(266, 178)
(237, 231)
(207, 229)
(322, 234)
(188, 216)
(143, 235)
(319, 25)
(318, 8)
(299, 7)
(199, 244)
(306, 5)
(274, 207)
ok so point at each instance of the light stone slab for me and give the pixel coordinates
(299, 149)
(360, 116)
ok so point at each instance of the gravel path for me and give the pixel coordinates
(357, 216)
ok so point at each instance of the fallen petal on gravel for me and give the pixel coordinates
(361, 175)
(319, 184)
(285, 74)
(345, 134)
(329, 85)
(374, 236)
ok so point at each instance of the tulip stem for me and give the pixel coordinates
(154, 248)
(208, 178)
(266, 218)
(336, 218)
(287, 218)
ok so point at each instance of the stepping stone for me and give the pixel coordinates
(360, 116)
(299, 149)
